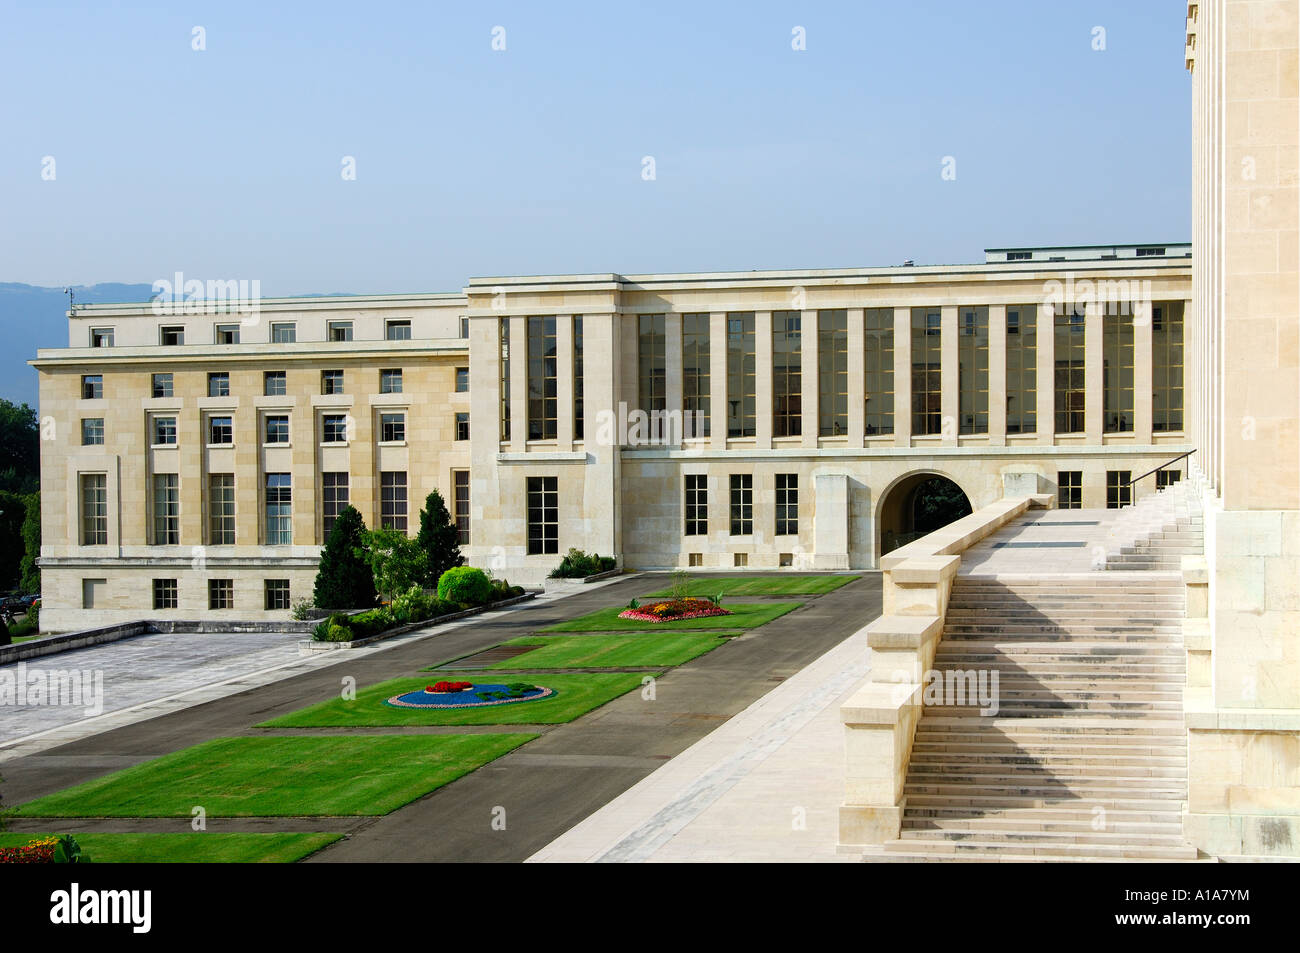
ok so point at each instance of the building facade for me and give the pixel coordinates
(195, 455)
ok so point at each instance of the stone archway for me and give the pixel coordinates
(917, 504)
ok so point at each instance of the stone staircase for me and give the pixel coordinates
(1157, 531)
(1086, 758)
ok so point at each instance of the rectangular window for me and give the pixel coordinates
(334, 428)
(339, 331)
(390, 381)
(460, 504)
(219, 384)
(92, 431)
(165, 594)
(927, 371)
(392, 499)
(1070, 394)
(695, 373)
(1167, 366)
(397, 330)
(1022, 368)
(284, 333)
(277, 594)
(833, 372)
(697, 504)
(787, 504)
(787, 373)
(462, 426)
(741, 362)
(878, 370)
(1117, 370)
(1069, 489)
(331, 382)
(221, 430)
(695, 559)
(221, 509)
(277, 428)
(973, 370)
(652, 371)
(1019, 255)
(101, 337)
(464, 328)
(164, 431)
(94, 509)
(543, 515)
(166, 509)
(279, 509)
(542, 379)
(162, 385)
(392, 427)
(578, 426)
(171, 336)
(92, 386)
(334, 498)
(1119, 491)
(275, 383)
(227, 334)
(221, 593)
(742, 504)
(503, 339)
(462, 380)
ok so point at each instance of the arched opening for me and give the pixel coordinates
(916, 505)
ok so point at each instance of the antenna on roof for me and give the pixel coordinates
(72, 299)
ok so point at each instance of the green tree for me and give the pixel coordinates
(396, 561)
(344, 580)
(29, 572)
(12, 513)
(20, 443)
(438, 539)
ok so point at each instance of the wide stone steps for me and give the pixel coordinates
(1139, 836)
(1036, 850)
(1116, 633)
(1030, 708)
(950, 752)
(1160, 816)
(1063, 771)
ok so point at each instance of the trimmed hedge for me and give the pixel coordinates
(578, 565)
(465, 584)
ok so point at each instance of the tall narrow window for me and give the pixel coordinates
(279, 506)
(1070, 394)
(334, 496)
(578, 428)
(221, 509)
(652, 371)
(1117, 369)
(462, 426)
(787, 372)
(1167, 366)
(503, 339)
(1022, 368)
(94, 509)
(392, 499)
(787, 504)
(742, 504)
(543, 515)
(1069, 489)
(741, 384)
(927, 371)
(697, 504)
(1119, 489)
(695, 374)
(973, 369)
(166, 509)
(833, 372)
(878, 368)
(542, 369)
(460, 504)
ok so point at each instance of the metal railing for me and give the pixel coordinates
(1162, 466)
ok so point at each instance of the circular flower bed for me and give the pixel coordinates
(469, 695)
(673, 610)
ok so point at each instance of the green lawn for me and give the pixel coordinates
(190, 848)
(576, 695)
(700, 585)
(281, 777)
(744, 615)
(611, 651)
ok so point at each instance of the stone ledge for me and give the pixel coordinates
(1201, 715)
(880, 703)
(925, 570)
(903, 631)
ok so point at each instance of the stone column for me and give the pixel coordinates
(763, 407)
(302, 434)
(673, 373)
(518, 383)
(808, 378)
(564, 382)
(1093, 371)
(902, 377)
(1046, 374)
(857, 377)
(717, 382)
(950, 401)
(1142, 376)
(997, 375)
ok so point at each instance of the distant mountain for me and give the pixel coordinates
(32, 317)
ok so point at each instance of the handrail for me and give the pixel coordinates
(1162, 466)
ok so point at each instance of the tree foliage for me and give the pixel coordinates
(344, 580)
(438, 539)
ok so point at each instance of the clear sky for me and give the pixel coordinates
(225, 163)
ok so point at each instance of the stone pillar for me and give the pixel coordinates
(763, 407)
(857, 377)
(831, 521)
(902, 377)
(1142, 376)
(302, 434)
(997, 375)
(1093, 372)
(518, 383)
(1046, 374)
(808, 378)
(950, 401)
(673, 373)
(717, 381)
(564, 382)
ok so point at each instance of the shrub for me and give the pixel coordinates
(501, 589)
(438, 539)
(30, 624)
(302, 610)
(576, 565)
(466, 585)
(395, 559)
(412, 606)
(336, 628)
(344, 580)
(68, 851)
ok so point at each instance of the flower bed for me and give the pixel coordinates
(36, 852)
(674, 610)
(469, 695)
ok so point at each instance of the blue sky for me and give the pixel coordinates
(225, 163)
